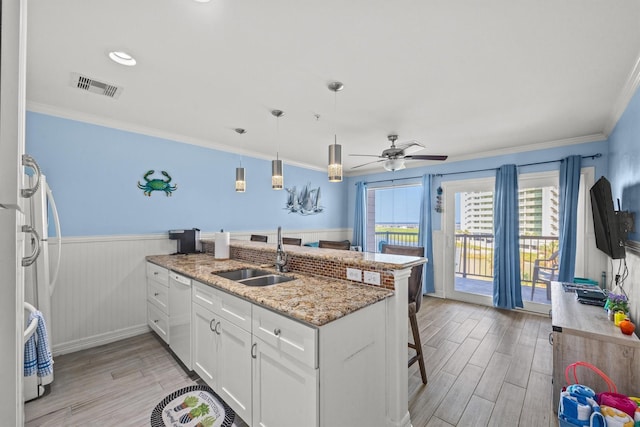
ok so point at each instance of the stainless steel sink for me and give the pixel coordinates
(271, 279)
(244, 273)
(254, 277)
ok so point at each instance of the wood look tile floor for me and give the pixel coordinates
(485, 367)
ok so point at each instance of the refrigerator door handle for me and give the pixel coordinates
(27, 160)
(27, 261)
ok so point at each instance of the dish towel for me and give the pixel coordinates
(37, 355)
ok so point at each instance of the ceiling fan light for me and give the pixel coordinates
(335, 163)
(393, 164)
(241, 184)
(277, 179)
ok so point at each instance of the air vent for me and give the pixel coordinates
(95, 86)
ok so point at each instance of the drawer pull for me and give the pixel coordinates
(551, 338)
(156, 294)
(253, 350)
(211, 325)
(216, 329)
(155, 273)
(276, 332)
(156, 321)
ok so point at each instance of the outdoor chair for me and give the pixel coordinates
(545, 271)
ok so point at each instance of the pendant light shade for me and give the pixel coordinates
(334, 168)
(277, 180)
(335, 161)
(241, 184)
(277, 177)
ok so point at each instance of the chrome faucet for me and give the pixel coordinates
(281, 256)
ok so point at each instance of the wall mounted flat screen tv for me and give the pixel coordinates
(610, 237)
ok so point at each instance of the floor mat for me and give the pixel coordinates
(196, 405)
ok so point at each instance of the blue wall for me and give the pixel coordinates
(486, 163)
(624, 161)
(93, 172)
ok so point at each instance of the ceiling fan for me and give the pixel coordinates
(394, 156)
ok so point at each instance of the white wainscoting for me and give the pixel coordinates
(100, 296)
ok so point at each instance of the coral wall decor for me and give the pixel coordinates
(157, 184)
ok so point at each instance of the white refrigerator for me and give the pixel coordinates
(12, 207)
(40, 280)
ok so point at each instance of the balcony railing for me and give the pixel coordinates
(474, 252)
(404, 238)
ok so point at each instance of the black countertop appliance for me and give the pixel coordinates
(188, 240)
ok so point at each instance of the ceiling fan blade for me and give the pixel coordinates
(426, 157)
(365, 155)
(405, 145)
(368, 163)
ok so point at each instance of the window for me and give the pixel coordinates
(393, 216)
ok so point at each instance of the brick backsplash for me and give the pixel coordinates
(302, 263)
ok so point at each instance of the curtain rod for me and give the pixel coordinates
(592, 156)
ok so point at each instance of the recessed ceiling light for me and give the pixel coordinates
(122, 58)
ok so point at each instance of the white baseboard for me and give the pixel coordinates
(98, 340)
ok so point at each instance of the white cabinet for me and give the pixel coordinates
(270, 368)
(205, 344)
(221, 347)
(234, 368)
(158, 300)
(285, 374)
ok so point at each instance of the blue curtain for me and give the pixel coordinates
(359, 220)
(507, 291)
(569, 186)
(425, 235)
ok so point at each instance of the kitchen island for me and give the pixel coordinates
(337, 347)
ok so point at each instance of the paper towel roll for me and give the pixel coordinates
(222, 245)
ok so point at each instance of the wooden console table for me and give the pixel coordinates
(583, 333)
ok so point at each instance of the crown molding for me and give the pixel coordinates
(627, 92)
(66, 113)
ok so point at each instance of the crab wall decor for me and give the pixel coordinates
(157, 184)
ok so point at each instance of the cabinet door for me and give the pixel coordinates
(158, 321)
(205, 345)
(234, 367)
(285, 392)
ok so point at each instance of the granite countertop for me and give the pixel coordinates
(315, 300)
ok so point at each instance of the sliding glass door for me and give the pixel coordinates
(469, 228)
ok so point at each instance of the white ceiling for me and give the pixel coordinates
(466, 78)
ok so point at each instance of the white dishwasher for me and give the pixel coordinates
(180, 317)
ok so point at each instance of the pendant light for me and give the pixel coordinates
(334, 169)
(241, 184)
(277, 178)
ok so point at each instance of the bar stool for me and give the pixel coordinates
(331, 244)
(415, 299)
(291, 241)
